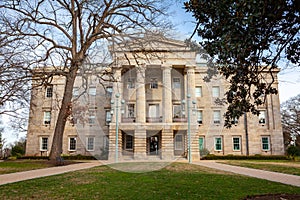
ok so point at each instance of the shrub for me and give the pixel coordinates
(292, 152)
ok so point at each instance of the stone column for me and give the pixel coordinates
(190, 90)
(167, 94)
(140, 95)
(167, 143)
(195, 154)
(117, 90)
(140, 143)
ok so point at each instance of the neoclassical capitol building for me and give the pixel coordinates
(158, 107)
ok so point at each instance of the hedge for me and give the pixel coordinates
(240, 157)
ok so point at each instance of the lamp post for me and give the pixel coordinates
(117, 122)
(189, 124)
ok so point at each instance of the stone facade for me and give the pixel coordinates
(158, 107)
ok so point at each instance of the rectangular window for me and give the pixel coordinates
(199, 116)
(107, 116)
(75, 92)
(177, 111)
(201, 143)
(216, 91)
(128, 142)
(198, 91)
(262, 117)
(49, 91)
(178, 142)
(153, 83)
(72, 144)
(130, 83)
(109, 91)
(44, 144)
(217, 117)
(47, 117)
(153, 110)
(90, 143)
(236, 143)
(130, 108)
(92, 91)
(176, 83)
(218, 144)
(92, 117)
(265, 143)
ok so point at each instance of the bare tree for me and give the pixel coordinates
(290, 112)
(63, 34)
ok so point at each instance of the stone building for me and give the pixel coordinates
(158, 107)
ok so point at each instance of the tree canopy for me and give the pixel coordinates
(247, 39)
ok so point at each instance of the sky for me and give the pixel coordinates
(289, 80)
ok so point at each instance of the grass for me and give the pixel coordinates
(13, 166)
(175, 181)
(287, 167)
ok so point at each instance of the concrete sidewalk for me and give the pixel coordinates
(271, 176)
(267, 175)
(26, 175)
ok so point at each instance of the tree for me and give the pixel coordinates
(247, 39)
(18, 148)
(64, 34)
(290, 118)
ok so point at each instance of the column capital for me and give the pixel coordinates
(166, 67)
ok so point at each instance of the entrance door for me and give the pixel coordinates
(153, 144)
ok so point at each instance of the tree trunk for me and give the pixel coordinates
(64, 112)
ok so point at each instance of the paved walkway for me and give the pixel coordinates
(37, 173)
(271, 176)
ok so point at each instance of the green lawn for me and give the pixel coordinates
(287, 167)
(175, 181)
(12, 166)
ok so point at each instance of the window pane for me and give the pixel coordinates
(47, 117)
(265, 143)
(198, 91)
(236, 144)
(217, 117)
(218, 144)
(201, 143)
(216, 91)
(109, 91)
(92, 91)
(179, 142)
(130, 110)
(108, 116)
(44, 144)
(177, 113)
(72, 144)
(199, 116)
(90, 143)
(129, 142)
(176, 83)
(92, 119)
(153, 83)
(262, 117)
(75, 92)
(49, 91)
(130, 83)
